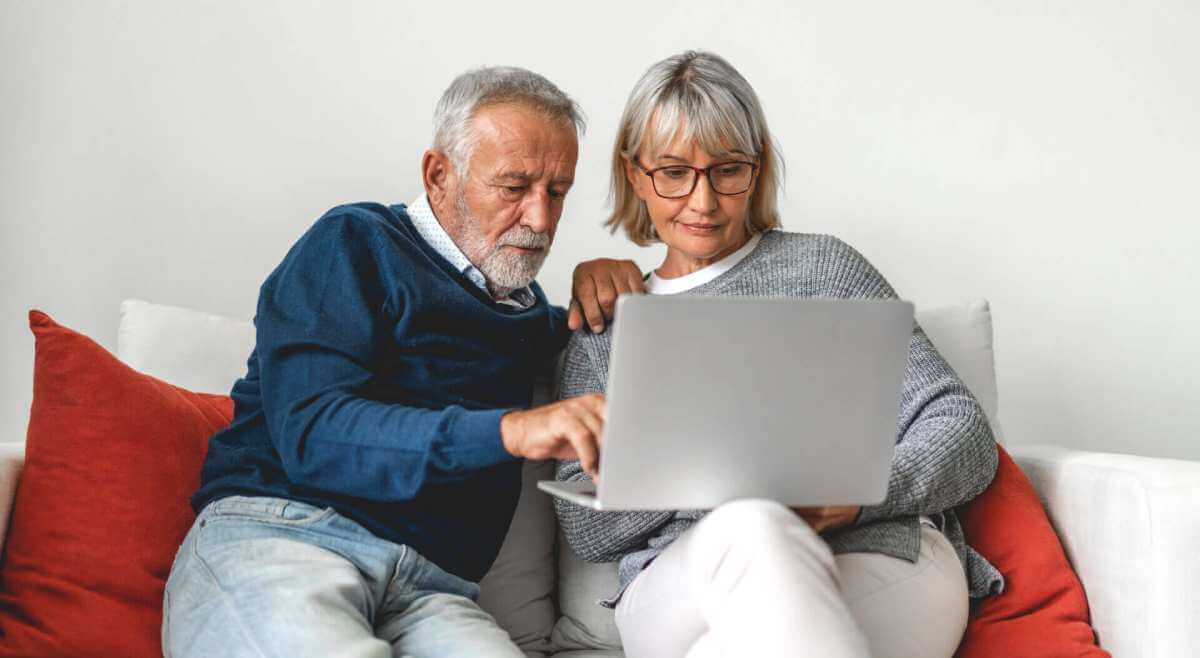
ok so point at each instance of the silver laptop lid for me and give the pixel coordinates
(713, 399)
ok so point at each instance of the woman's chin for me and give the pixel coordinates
(699, 246)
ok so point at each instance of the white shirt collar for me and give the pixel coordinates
(431, 231)
(659, 286)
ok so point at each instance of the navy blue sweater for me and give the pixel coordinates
(376, 387)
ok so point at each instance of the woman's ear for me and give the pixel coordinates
(634, 176)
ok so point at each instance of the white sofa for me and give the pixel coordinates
(1130, 525)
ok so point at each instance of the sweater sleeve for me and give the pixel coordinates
(945, 453)
(323, 321)
(595, 536)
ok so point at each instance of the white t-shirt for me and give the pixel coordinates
(659, 286)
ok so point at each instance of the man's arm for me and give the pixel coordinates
(324, 317)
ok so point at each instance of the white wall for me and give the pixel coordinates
(1044, 155)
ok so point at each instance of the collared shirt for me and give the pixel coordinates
(431, 231)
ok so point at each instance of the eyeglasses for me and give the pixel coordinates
(678, 181)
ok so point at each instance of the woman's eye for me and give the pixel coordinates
(514, 189)
(677, 172)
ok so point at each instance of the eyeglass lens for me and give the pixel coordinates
(728, 178)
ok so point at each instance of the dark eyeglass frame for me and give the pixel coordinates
(696, 179)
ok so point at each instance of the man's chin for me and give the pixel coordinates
(515, 274)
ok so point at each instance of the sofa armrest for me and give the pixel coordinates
(12, 460)
(1131, 528)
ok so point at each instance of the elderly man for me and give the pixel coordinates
(372, 467)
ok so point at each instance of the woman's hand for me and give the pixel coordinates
(595, 286)
(821, 519)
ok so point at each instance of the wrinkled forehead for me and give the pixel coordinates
(508, 136)
(717, 128)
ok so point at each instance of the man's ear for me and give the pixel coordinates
(436, 172)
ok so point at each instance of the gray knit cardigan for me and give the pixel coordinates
(945, 453)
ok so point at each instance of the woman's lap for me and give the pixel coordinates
(902, 608)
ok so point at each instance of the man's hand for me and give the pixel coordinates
(821, 519)
(568, 429)
(595, 286)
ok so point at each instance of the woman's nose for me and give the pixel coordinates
(703, 199)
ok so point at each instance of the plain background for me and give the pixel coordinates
(1044, 155)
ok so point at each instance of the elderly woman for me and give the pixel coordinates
(694, 167)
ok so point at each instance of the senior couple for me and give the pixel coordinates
(373, 464)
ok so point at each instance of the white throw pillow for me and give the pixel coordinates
(204, 352)
(962, 334)
(198, 351)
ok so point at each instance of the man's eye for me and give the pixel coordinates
(556, 194)
(514, 189)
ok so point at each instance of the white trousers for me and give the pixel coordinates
(752, 579)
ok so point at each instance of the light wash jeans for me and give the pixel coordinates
(275, 578)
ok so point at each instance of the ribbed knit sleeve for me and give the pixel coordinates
(945, 452)
(595, 536)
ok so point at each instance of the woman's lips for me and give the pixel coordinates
(700, 229)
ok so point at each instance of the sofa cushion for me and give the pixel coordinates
(102, 505)
(210, 352)
(584, 624)
(519, 588)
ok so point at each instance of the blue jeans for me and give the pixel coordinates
(269, 577)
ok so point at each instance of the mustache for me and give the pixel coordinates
(523, 236)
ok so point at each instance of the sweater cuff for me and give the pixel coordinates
(481, 430)
(872, 513)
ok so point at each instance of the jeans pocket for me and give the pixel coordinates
(278, 511)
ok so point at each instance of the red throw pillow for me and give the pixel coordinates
(1043, 611)
(111, 458)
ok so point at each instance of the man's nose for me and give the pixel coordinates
(702, 200)
(537, 214)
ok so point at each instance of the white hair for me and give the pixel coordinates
(494, 85)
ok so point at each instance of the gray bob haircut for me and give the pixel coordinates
(495, 85)
(693, 96)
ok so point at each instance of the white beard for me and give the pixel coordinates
(505, 270)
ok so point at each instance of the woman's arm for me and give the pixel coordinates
(945, 453)
(595, 536)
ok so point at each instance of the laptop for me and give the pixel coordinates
(712, 399)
